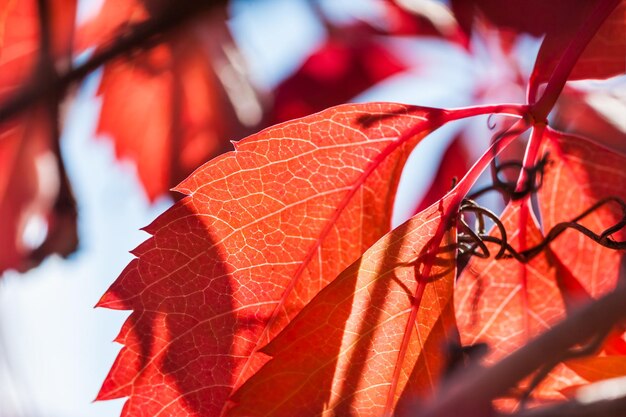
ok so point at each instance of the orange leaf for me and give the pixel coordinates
(582, 174)
(597, 368)
(377, 332)
(504, 303)
(261, 231)
(20, 39)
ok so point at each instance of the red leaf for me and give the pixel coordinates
(504, 303)
(560, 21)
(597, 368)
(350, 61)
(26, 162)
(166, 108)
(375, 333)
(597, 115)
(30, 175)
(262, 230)
(114, 17)
(33, 192)
(602, 58)
(535, 17)
(428, 18)
(19, 33)
(576, 181)
(20, 41)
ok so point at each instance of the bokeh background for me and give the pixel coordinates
(56, 349)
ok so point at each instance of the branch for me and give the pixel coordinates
(146, 35)
(472, 391)
(574, 408)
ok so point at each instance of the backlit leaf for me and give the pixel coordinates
(168, 108)
(504, 303)
(32, 222)
(261, 231)
(602, 58)
(377, 331)
(349, 62)
(596, 114)
(29, 186)
(582, 174)
(598, 368)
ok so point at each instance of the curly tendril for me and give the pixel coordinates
(472, 241)
(532, 184)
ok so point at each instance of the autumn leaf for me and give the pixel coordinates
(573, 183)
(417, 18)
(535, 17)
(560, 21)
(356, 56)
(504, 303)
(167, 108)
(20, 40)
(375, 334)
(596, 114)
(33, 186)
(598, 368)
(29, 186)
(349, 62)
(261, 231)
(603, 57)
(167, 111)
(114, 17)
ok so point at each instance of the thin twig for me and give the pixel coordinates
(574, 408)
(576, 352)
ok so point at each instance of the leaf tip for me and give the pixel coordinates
(105, 392)
(182, 189)
(109, 300)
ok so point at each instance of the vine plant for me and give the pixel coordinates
(276, 286)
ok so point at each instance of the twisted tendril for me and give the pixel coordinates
(472, 242)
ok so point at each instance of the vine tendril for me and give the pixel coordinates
(534, 179)
(472, 242)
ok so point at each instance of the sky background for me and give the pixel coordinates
(55, 348)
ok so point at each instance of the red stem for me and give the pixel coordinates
(540, 109)
(438, 118)
(458, 193)
(530, 158)
(511, 109)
